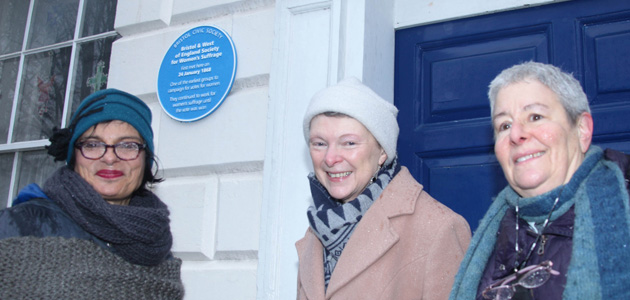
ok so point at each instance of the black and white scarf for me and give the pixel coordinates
(139, 232)
(333, 222)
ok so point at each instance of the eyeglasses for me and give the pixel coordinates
(529, 277)
(124, 150)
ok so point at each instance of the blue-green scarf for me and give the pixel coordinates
(601, 238)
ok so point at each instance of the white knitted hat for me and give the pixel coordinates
(352, 98)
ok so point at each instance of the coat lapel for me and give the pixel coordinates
(311, 265)
(374, 235)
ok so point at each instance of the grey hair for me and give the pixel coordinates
(564, 85)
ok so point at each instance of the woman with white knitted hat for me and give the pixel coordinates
(374, 233)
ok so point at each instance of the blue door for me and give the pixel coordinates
(443, 70)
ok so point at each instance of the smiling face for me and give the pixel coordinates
(345, 155)
(537, 146)
(114, 179)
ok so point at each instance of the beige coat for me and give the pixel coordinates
(407, 246)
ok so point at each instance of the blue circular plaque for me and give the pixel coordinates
(197, 73)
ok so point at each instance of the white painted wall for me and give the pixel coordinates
(410, 13)
(236, 180)
(213, 167)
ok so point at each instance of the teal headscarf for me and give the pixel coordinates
(102, 106)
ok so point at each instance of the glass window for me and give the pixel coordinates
(41, 99)
(6, 165)
(8, 75)
(36, 166)
(47, 66)
(90, 75)
(96, 17)
(13, 15)
(53, 21)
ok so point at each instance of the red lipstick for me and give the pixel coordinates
(109, 173)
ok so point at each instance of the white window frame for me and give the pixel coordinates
(18, 148)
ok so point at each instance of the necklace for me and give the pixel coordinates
(540, 232)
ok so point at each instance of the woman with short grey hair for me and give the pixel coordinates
(560, 229)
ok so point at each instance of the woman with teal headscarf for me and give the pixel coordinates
(93, 230)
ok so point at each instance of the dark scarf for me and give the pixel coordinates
(601, 235)
(138, 232)
(333, 222)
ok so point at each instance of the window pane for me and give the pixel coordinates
(53, 22)
(92, 68)
(36, 167)
(8, 75)
(6, 165)
(98, 17)
(40, 106)
(12, 23)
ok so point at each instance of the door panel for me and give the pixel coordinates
(443, 71)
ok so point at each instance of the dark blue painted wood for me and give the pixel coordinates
(443, 70)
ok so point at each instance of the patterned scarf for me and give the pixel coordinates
(601, 232)
(333, 222)
(138, 232)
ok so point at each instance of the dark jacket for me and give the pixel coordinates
(556, 244)
(33, 214)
